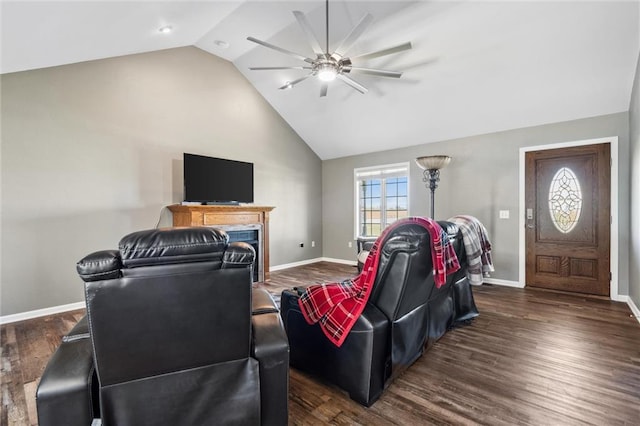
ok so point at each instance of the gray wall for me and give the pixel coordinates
(481, 180)
(93, 151)
(634, 143)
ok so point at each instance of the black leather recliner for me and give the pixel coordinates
(405, 314)
(176, 334)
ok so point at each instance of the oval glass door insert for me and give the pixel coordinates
(565, 200)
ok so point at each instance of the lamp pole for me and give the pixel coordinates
(433, 177)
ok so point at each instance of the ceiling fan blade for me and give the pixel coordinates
(280, 49)
(384, 52)
(324, 88)
(290, 84)
(311, 37)
(351, 82)
(356, 32)
(278, 68)
(371, 71)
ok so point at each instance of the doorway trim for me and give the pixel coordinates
(613, 140)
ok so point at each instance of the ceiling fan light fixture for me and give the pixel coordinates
(327, 73)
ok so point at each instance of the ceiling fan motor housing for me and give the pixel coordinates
(329, 66)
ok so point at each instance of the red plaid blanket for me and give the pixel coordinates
(337, 306)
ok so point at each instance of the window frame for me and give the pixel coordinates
(385, 171)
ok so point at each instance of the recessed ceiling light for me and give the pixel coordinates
(166, 29)
(288, 85)
(221, 43)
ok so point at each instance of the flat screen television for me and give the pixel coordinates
(216, 180)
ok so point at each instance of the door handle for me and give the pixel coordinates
(530, 218)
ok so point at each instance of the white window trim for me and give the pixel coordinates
(356, 197)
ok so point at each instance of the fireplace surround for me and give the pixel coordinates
(249, 223)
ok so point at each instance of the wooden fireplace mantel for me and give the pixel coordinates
(198, 215)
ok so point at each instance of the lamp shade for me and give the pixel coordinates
(433, 162)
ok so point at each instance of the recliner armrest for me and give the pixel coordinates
(269, 337)
(270, 347)
(68, 389)
(262, 302)
(79, 331)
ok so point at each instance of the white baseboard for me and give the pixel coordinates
(620, 298)
(342, 261)
(632, 306)
(6, 319)
(310, 261)
(294, 264)
(506, 283)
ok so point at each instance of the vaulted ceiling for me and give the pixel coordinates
(476, 66)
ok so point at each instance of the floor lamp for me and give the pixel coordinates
(432, 165)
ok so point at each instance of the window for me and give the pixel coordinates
(382, 197)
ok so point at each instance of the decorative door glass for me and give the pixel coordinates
(565, 200)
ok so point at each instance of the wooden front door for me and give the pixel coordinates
(567, 218)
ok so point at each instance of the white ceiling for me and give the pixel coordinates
(476, 66)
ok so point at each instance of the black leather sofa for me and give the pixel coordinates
(174, 335)
(405, 314)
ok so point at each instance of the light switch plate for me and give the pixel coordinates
(504, 214)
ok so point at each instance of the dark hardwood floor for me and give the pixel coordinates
(532, 357)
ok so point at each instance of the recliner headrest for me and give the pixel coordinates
(172, 245)
(449, 227)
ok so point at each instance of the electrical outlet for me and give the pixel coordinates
(313, 243)
(350, 244)
(301, 244)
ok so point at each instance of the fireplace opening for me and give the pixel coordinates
(250, 235)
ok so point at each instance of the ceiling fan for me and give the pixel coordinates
(329, 66)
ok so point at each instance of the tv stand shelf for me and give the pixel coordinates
(226, 215)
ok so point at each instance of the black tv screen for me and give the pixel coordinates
(216, 180)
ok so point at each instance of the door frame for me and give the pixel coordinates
(613, 243)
